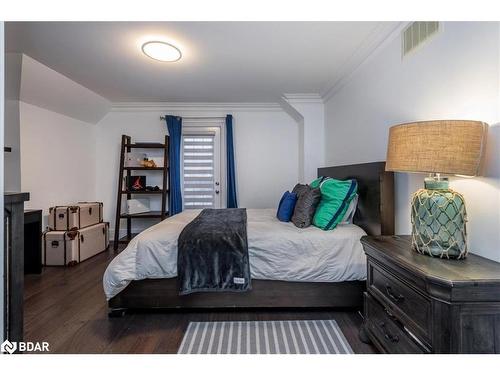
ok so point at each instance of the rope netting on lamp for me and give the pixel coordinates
(438, 221)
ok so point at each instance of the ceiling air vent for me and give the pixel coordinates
(416, 33)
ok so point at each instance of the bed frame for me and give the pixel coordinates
(375, 214)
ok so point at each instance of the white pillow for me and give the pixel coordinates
(351, 210)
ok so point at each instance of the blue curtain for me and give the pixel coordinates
(174, 126)
(231, 175)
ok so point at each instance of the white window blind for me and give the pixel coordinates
(198, 170)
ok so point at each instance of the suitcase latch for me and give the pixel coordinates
(61, 216)
(90, 210)
(71, 234)
(55, 243)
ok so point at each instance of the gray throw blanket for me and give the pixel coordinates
(213, 252)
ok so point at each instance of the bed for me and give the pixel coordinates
(290, 267)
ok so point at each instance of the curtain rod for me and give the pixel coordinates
(163, 118)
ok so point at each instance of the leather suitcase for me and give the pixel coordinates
(80, 215)
(67, 248)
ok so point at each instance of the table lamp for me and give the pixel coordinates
(452, 147)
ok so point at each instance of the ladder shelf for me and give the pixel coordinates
(127, 146)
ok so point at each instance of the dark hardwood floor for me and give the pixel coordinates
(66, 307)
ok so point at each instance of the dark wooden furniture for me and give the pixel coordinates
(127, 146)
(418, 304)
(375, 215)
(32, 241)
(14, 265)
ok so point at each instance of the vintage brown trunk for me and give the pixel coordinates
(75, 216)
(66, 248)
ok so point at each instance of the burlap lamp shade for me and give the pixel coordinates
(453, 147)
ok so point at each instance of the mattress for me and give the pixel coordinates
(277, 251)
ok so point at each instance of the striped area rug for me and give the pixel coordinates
(265, 337)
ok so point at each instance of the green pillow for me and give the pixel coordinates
(336, 195)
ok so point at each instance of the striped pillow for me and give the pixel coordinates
(336, 195)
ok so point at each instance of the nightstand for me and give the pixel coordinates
(418, 304)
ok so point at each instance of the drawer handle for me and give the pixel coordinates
(387, 335)
(390, 315)
(395, 298)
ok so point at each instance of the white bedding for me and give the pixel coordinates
(277, 250)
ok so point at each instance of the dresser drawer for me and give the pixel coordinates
(411, 307)
(387, 331)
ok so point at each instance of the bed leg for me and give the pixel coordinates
(117, 312)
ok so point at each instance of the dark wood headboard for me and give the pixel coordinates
(375, 213)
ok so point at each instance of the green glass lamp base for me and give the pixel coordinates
(438, 219)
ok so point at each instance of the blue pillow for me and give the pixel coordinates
(286, 206)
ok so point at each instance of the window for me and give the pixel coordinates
(200, 168)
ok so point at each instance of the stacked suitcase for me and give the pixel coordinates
(75, 233)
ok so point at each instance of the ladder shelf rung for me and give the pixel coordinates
(143, 191)
(144, 168)
(146, 145)
(145, 215)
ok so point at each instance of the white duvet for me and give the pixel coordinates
(277, 250)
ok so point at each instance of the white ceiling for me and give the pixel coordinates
(222, 61)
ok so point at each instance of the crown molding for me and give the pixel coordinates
(378, 39)
(192, 106)
(303, 98)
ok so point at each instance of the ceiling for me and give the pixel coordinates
(222, 61)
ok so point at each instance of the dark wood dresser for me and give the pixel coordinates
(14, 265)
(418, 304)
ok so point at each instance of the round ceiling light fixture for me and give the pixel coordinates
(161, 51)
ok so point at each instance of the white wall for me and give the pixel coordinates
(265, 142)
(12, 173)
(58, 158)
(29, 81)
(311, 109)
(12, 167)
(453, 76)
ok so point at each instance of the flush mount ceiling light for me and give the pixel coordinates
(161, 51)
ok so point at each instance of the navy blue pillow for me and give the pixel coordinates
(286, 206)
